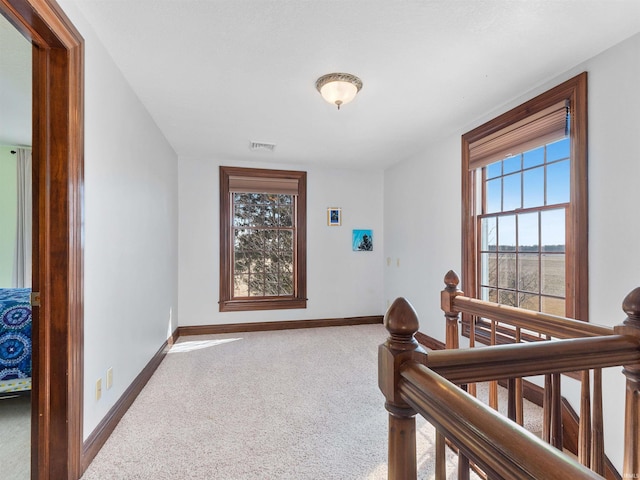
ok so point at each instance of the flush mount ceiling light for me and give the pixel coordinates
(338, 88)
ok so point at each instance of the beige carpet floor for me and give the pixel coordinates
(15, 437)
(291, 404)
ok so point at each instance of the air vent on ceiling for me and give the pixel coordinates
(261, 146)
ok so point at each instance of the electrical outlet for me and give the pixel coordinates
(99, 389)
(109, 378)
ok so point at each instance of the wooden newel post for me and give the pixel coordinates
(401, 322)
(631, 327)
(451, 280)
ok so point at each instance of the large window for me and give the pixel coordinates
(522, 249)
(262, 239)
(524, 189)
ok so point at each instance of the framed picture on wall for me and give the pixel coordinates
(334, 216)
(362, 240)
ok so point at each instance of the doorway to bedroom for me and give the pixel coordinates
(15, 252)
(57, 96)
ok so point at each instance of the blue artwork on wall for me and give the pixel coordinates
(363, 240)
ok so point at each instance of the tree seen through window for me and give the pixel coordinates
(263, 232)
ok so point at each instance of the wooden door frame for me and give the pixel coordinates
(58, 158)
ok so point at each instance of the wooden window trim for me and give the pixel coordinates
(299, 298)
(574, 91)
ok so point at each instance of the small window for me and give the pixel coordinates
(525, 205)
(262, 239)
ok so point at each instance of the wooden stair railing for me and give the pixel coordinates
(590, 442)
(501, 448)
(416, 382)
(523, 360)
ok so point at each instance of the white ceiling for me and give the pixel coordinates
(217, 74)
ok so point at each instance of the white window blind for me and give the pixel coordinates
(240, 184)
(545, 126)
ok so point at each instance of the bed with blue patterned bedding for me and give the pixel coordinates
(15, 339)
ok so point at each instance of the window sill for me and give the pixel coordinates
(262, 304)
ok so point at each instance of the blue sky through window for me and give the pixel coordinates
(518, 182)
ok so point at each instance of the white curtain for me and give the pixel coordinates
(22, 260)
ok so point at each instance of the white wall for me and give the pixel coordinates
(425, 227)
(131, 221)
(614, 196)
(8, 214)
(422, 231)
(340, 283)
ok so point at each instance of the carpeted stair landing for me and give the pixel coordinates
(291, 404)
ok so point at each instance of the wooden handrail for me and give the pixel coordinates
(414, 381)
(453, 302)
(552, 325)
(500, 447)
(526, 359)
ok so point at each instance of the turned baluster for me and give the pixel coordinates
(546, 409)
(452, 317)
(556, 412)
(440, 456)
(493, 384)
(597, 436)
(471, 388)
(511, 399)
(631, 327)
(584, 429)
(519, 389)
(401, 322)
(552, 411)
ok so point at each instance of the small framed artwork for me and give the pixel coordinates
(334, 217)
(362, 240)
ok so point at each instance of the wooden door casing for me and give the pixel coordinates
(58, 157)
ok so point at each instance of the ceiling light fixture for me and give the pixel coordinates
(338, 88)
